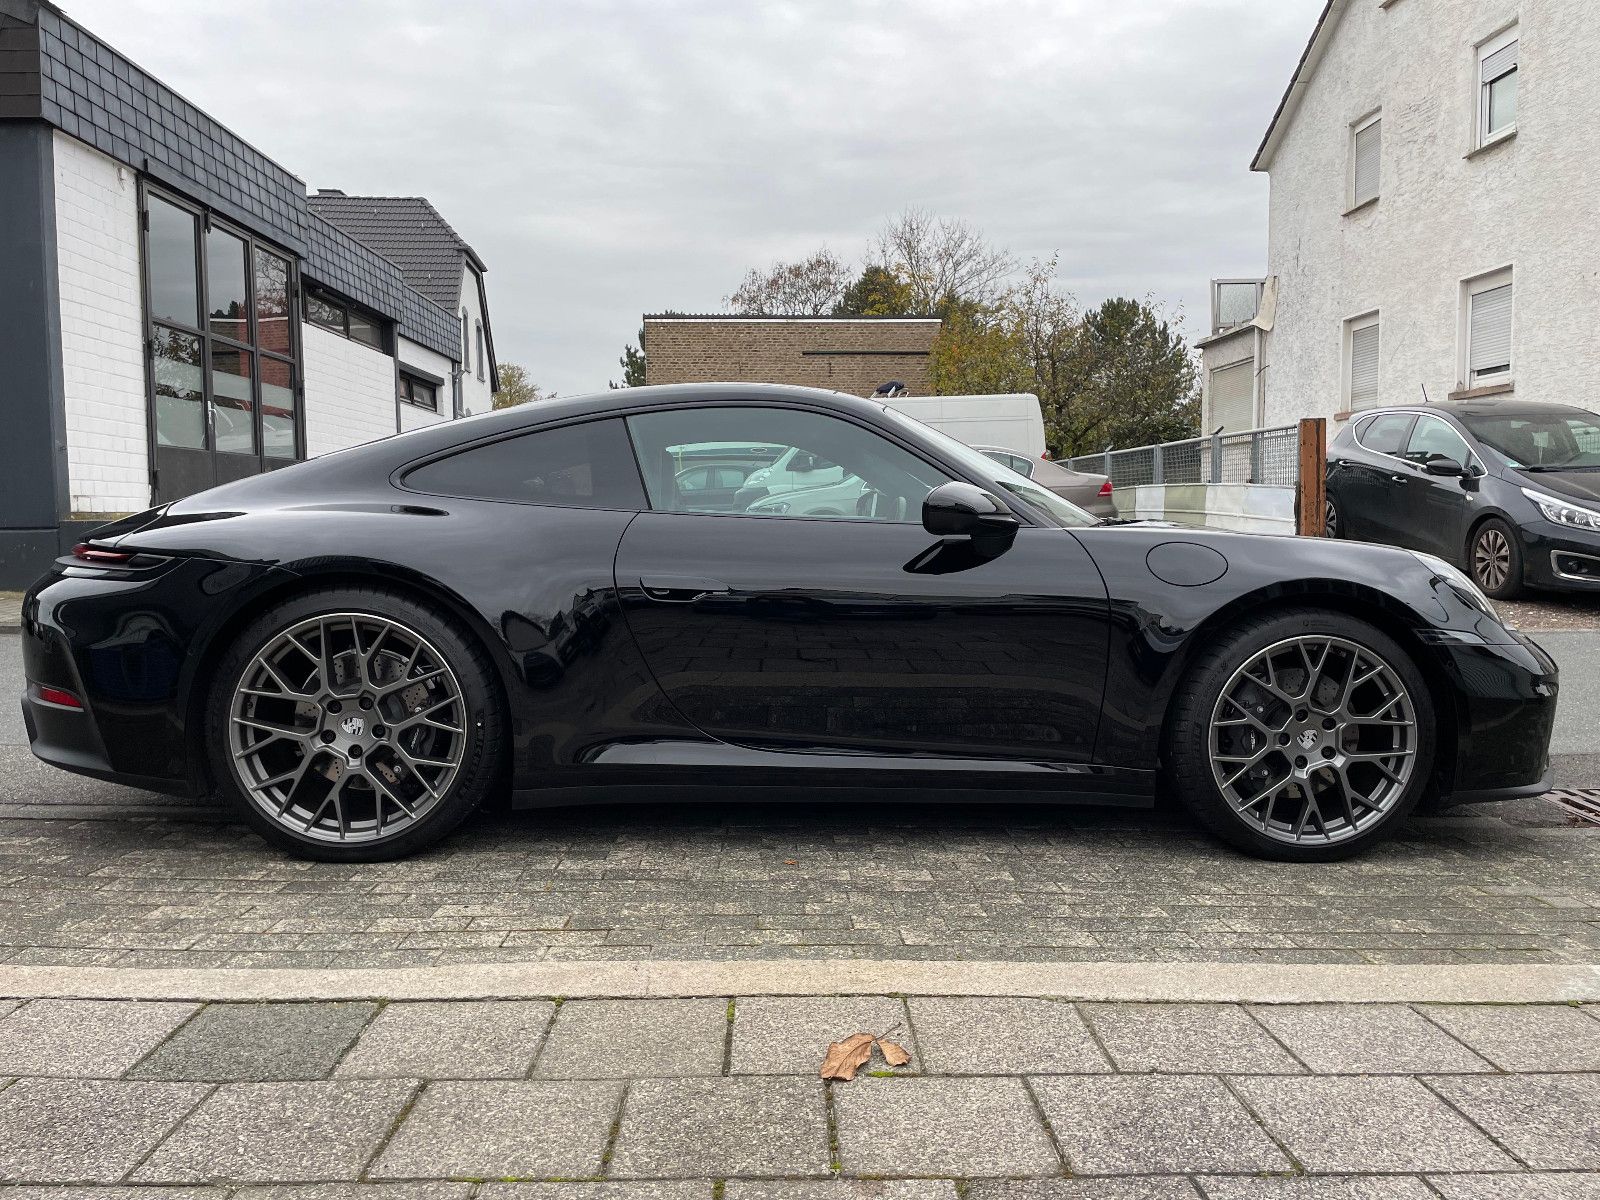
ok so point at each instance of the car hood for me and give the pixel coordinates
(1578, 485)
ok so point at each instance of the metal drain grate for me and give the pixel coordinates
(1583, 803)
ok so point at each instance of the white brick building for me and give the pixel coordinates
(176, 312)
(1432, 217)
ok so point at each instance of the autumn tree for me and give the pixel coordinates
(632, 364)
(877, 292)
(516, 388)
(945, 263)
(1120, 374)
(808, 287)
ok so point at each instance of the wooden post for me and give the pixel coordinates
(1310, 496)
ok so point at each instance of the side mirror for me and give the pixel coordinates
(1447, 467)
(962, 510)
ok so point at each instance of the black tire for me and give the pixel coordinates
(1188, 759)
(1494, 556)
(477, 776)
(1332, 520)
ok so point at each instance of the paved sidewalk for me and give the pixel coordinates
(1004, 1099)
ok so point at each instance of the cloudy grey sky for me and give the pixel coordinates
(613, 157)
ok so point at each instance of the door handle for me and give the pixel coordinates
(681, 589)
(1401, 478)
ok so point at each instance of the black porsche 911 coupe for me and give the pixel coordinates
(357, 651)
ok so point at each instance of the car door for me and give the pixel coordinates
(859, 633)
(1439, 507)
(1371, 491)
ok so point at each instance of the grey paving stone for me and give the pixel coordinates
(717, 1128)
(1153, 1125)
(483, 1040)
(1365, 1187)
(940, 1126)
(1082, 1189)
(59, 1192)
(7, 1005)
(1187, 1039)
(432, 1190)
(1002, 1036)
(841, 1189)
(279, 1132)
(84, 1038)
(1366, 1039)
(539, 1128)
(251, 1043)
(85, 1130)
(1551, 1122)
(625, 1039)
(1537, 1186)
(779, 1035)
(1353, 1124)
(652, 1189)
(1524, 1037)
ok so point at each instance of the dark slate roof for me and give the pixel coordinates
(409, 232)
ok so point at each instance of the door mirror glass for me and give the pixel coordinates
(963, 510)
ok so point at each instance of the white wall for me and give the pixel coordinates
(349, 391)
(1442, 216)
(102, 330)
(429, 363)
(477, 395)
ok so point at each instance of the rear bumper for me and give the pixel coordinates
(1506, 705)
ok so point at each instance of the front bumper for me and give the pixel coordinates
(1505, 699)
(1560, 557)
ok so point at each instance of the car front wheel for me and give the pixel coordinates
(354, 725)
(1303, 737)
(1496, 558)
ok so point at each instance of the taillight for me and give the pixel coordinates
(1105, 488)
(94, 554)
(56, 696)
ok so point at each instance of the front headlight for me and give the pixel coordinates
(771, 508)
(1563, 513)
(1458, 579)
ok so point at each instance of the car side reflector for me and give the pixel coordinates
(56, 696)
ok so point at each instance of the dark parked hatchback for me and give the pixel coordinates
(1509, 490)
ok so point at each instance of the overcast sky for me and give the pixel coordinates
(613, 157)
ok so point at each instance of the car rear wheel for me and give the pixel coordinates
(354, 725)
(1330, 520)
(1302, 737)
(1496, 558)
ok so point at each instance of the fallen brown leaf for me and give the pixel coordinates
(791, 862)
(893, 1052)
(845, 1058)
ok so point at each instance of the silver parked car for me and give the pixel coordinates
(1092, 493)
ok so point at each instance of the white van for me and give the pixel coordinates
(1013, 420)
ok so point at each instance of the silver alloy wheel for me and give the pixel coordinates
(1330, 520)
(347, 727)
(1313, 740)
(1491, 559)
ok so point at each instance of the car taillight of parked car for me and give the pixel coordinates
(1105, 488)
(101, 558)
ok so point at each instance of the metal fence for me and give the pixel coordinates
(1265, 456)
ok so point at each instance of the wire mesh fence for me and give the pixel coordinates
(1262, 456)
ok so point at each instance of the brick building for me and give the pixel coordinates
(844, 354)
(176, 312)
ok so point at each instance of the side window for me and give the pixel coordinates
(868, 477)
(1386, 434)
(575, 466)
(1433, 438)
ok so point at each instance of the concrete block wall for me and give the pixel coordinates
(840, 354)
(350, 390)
(420, 358)
(102, 330)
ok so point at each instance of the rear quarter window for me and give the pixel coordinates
(575, 466)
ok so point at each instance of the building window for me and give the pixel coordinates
(1233, 402)
(1488, 329)
(1497, 87)
(1366, 157)
(1234, 302)
(345, 319)
(481, 354)
(466, 349)
(1362, 343)
(421, 393)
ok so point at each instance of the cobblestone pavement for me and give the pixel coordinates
(1004, 1099)
(1518, 884)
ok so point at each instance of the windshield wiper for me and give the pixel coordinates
(1562, 467)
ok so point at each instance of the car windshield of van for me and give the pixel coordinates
(1541, 441)
(1059, 512)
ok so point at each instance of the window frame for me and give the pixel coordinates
(310, 294)
(1211, 393)
(1367, 422)
(466, 348)
(1352, 199)
(1471, 288)
(1486, 49)
(405, 390)
(481, 354)
(1352, 326)
(1473, 464)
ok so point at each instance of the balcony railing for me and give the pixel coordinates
(1234, 302)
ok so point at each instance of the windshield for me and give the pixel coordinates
(1567, 439)
(1058, 511)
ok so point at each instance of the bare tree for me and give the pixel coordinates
(809, 287)
(944, 261)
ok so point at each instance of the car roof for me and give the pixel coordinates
(1477, 408)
